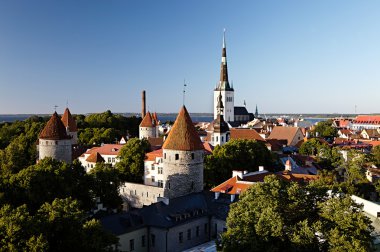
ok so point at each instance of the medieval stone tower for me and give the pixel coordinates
(148, 127)
(182, 158)
(226, 90)
(71, 126)
(54, 141)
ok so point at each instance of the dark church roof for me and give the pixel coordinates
(240, 111)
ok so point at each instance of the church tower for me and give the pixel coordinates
(225, 88)
(218, 129)
(71, 126)
(182, 158)
(54, 141)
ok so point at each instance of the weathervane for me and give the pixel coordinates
(55, 108)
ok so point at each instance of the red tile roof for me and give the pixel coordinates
(155, 141)
(54, 129)
(151, 156)
(106, 149)
(232, 186)
(69, 121)
(284, 133)
(147, 121)
(208, 147)
(183, 135)
(367, 119)
(248, 134)
(95, 157)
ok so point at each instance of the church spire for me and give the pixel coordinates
(256, 112)
(223, 83)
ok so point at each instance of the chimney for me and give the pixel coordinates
(261, 168)
(143, 111)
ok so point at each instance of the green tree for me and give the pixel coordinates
(376, 155)
(65, 227)
(132, 156)
(235, 155)
(325, 129)
(310, 147)
(281, 216)
(105, 184)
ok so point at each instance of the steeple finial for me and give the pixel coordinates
(224, 38)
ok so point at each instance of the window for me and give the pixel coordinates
(131, 244)
(131, 192)
(206, 228)
(160, 184)
(159, 170)
(153, 179)
(217, 138)
(176, 156)
(113, 160)
(197, 231)
(152, 167)
(164, 155)
(221, 139)
(189, 234)
(180, 237)
(169, 185)
(153, 240)
(192, 185)
(56, 142)
(109, 160)
(143, 241)
(192, 155)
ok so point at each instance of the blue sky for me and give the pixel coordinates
(285, 56)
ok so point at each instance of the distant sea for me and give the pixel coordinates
(162, 118)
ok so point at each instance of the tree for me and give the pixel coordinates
(310, 147)
(325, 129)
(281, 216)
(132, 156)
(235, 155)
(105, 184)
(64, 225)
(46, 181)
(376, 155)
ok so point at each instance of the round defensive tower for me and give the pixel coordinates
(54, 141)
(71, 126)
(148, 127)
(183, 154)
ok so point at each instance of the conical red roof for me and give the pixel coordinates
(54, 129)
(147, 121)
(183, 135)
(95, 157)
(69, 121)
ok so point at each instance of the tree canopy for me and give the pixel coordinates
(281, 216)
(131, 160)
(235, 155)
(325, 129)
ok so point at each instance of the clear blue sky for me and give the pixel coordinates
(286, 56)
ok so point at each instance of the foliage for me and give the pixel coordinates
(105, 184)
(131, 164)
(235, 155)
(376, 155)
(105, 127)
(325, 129)
(281, 216)
(46, 181)
(327, 157)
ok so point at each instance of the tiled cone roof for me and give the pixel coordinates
(69, 121)
(95, 157)
(54, 129)
(147, 120)
(183, 135)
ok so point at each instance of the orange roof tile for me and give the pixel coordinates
(296, 177)
(183, 135)
(233, 185)
(367, 119)
(54, 129)
(155, 141)
(69, 121)
(287, 133)
(147, 120)
(106, 149)
(151, 156)
(248, 134)
(95, 157)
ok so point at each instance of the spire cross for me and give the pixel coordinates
(55, 108)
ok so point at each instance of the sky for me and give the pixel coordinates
(285, 56)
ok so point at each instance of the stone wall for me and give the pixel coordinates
(138, 195)
(146, 132)
(182, 172)
(57, 149)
